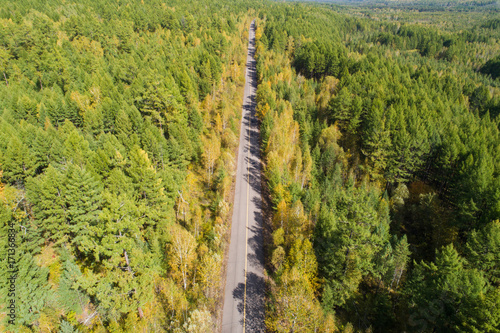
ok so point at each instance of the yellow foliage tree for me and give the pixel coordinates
(210, 276)
(2, 197)
(327, 91)
(211, 152)
(280, 218)
(284, 136)
(207, 107)
(173, 299)
(296, 165)
(199, 321)
(262, 110)
(218, 123)
(297, 310)
(182, 250)
(303, 258)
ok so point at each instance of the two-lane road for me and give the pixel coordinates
(244, 292)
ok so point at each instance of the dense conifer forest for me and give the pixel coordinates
(380, 129)
(379, 120)
(118, 128)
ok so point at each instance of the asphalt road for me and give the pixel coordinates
(244, 292)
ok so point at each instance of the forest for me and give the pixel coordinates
(380, 130)
(380, 136)
(118, 128)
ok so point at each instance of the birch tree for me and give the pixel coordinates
(211, 152)
(182, 253)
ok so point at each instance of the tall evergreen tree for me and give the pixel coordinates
(83, 199)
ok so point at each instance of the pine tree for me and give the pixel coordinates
(149, 189)
(76, 148)
(341, 108)
(83, 198)
(17, 162)
(347, 239)
(4, 60)
(448, 297)
(401, 257)
(47, 194)
(483, 251)
(67, 328)
(32, 290)
(69, 298)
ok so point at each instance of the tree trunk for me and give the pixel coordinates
(141, 314)
(128, 263)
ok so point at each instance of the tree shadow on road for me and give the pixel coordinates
(254, 311)
(255, 284)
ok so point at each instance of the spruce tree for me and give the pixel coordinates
(483, 251)
(83, 198)
(47, 194)
(32, 290)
